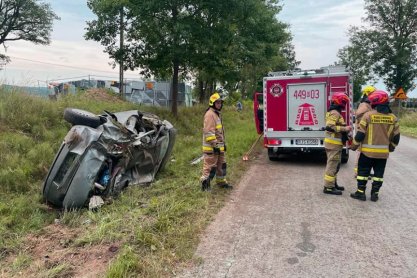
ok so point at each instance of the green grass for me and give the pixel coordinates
(157, 226)
(408, 124)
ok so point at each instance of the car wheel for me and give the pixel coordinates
(82, 117)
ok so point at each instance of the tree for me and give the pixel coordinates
(387, 48)
(361, 74)
(244, 40)
(215, 40)
(28, 20)
(212, 39)
(157, 36)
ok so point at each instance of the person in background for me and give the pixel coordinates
(239, 106)
(333, 143)
(214, 147)
(378, 134)
(363, 107)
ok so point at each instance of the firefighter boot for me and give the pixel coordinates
(359, 194)
(375, 192)
(332, 191)
(225, 186)
(339, 187)
(374, 196)
(205, 185)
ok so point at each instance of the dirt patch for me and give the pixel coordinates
(101, 95)
(54, 249)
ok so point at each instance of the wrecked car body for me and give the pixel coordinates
(102, 154)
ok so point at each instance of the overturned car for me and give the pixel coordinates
(102, 154)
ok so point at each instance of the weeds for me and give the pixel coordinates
(58, 270)
(408, 124)
(22, 261)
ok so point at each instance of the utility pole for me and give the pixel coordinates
(121, 55)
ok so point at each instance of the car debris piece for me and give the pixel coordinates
(95, 202)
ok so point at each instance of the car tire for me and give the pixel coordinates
(81, 117)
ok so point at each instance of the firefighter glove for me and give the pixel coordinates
(354, 147)
(391, 148)
(328, 128)
(345, 137)
(216, 150)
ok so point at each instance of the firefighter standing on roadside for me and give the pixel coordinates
(363, 107)
(334, 141)
(214, 148)
(378, 134)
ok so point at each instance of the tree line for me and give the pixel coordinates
(233, 43)
(385, 47)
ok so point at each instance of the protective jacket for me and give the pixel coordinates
(213, 132)
(362, 109)
(335, 125)
(378, 134)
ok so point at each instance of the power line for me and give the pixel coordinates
(59, 65)
(91, 77)
(76, 77)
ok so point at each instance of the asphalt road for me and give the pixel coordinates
(278, 223)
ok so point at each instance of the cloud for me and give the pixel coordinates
(69, 54)
(320, 28)
(61, 59)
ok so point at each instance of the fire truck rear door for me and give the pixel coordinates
(306, 106)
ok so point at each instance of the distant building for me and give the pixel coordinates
(157, 93)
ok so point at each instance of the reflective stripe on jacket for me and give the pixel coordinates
(213, 133)
(379, 129)
(335, 121)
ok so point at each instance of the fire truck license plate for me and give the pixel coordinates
(306, 141)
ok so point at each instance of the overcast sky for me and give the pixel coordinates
(319, 30)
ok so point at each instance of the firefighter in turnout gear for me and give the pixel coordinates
(335, 138)
(363, 107)
(378, 134)
(214, 148)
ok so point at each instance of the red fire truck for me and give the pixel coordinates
(292, 107)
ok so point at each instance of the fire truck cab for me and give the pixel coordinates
(292, 107)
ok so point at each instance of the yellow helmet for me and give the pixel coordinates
(213, 98)
(368, 90)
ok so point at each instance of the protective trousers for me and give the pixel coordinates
(365, 165)
(214, 165)
(355, 167)
(332, 167)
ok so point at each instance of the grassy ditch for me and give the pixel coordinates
(408, 124)
(156, 228)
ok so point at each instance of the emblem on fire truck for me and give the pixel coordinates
(276, 90)
(306, 115)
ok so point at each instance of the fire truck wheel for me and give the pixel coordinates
(273, 156)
